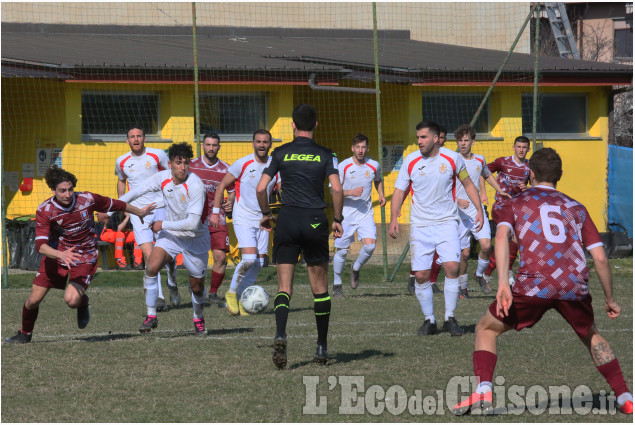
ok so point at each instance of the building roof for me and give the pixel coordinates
(79, 51)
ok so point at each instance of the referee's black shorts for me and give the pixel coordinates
(301, 230)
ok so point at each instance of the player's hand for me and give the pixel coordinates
(393, 229)
(484, 199)
(505, 194)
(266, 222)
(337, 230)
(227, 206)
(462, 203)
(356, 192)
(503, 299)
(214, 219)
(612, 309)
(157, 226)
(69, 257)
(479, 220)
(522, 186)
(382, 201)
(146, 210)
(102, 218)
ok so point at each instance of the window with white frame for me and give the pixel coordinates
(451, 110)
(236, 115)
(112, 113)
(558, 113)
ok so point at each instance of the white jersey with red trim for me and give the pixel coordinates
(138, 169)
(358, 208)
(247, 172)
(432, 183)
(185, 207)
(476, 167)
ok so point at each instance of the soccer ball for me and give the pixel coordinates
(254, 299)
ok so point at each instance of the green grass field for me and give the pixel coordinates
(109, 372)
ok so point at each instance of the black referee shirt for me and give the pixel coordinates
(303, 167)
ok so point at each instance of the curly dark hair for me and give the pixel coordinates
(55, 175)
(181, 150)
(465, 130)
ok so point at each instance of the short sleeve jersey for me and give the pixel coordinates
(432, 183)
(358, 208)
(181, 201)
(303, 166)
(476, 167)
(247, 172)
(552, 230)
(137, 169)
(510, 175)
(211, 175)
(73, 227)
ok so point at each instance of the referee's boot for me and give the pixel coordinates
(280, 351)
(321, 355)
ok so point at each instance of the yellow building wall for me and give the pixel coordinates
(47, 113)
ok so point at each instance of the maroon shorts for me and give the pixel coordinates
(52, 275)
(527, 311)
(219, 238)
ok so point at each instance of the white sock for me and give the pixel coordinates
(159, 285)
(481, 266)
(338, 265)
(484, 387)
(197, 304)
(364, 255)
(151, 286)
(624, 397)
(245, 264)
(463, 281)
(251, 275)
(424, 294)
(171, 268)
(451, 293)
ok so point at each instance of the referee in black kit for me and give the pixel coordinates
(302, 224)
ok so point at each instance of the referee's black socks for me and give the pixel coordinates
(322, 309)
(281, 309)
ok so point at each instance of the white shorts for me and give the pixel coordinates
(365, 230)
(142, 231)
(195, 251)
(424, 241)
(466, 229)
(252, 237)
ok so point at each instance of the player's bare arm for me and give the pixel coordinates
(266, 223)
(214, 217)
(482, 191)
(228, 205)
(472, 193)
(492, 181)
(337, 195)
(603, 270)
(501, 249)
(462, 203)
(68, 257)
(354, 192)
(379, 186)
(124, 222)
(398, 197)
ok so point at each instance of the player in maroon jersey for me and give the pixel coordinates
(552, 230)
(211, 170)
(512, 176)
(65, 235)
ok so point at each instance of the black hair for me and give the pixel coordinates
(432, 126)
(180, 150)
(261, 131)
(211, 135)
(304, 117)
(546, 165)
(55, 175)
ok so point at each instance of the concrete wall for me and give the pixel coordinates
(485, 25)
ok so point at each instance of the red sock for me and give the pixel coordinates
(28, 319)
(435, 269)
(612, 372)
(491, 266)
(513, 253)
(484, 363)
(217, 279)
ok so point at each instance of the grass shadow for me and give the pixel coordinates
(341, 357)
(106, 338)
